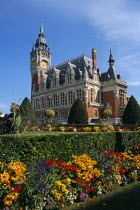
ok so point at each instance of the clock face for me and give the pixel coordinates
(43, 64)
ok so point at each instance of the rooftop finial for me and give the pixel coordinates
(110, 52)
(111, 59)
(41, 26)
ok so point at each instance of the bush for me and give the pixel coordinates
(131, 113)
(22, 147)
(78, 113)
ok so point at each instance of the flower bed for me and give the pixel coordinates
(79, 129)
(52, 184)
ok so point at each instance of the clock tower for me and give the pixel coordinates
(40, 60)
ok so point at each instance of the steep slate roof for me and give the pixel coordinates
(110, 74)
(80, 63)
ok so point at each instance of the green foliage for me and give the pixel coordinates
(16, 125)
(121, 110)
(131, 113)
(78, 113)
(125, 198)
(27, 113)
(21, 147)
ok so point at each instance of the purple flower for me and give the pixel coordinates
(83, 195)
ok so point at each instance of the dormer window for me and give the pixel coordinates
(69, 78)
(54, 82)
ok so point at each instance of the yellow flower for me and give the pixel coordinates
(1, 165)
(67, 181)
(4, 178)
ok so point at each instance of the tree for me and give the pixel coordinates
(27, 113)
(78, 113)
(49, 115)
(108, 112)
(131, 113)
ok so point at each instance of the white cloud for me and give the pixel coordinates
(116, 20)
(3, 106)
(134, 83)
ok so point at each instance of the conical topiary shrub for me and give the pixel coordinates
(78, 113)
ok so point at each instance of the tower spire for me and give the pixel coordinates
(41, 29)
(41, 41)
(111, 59)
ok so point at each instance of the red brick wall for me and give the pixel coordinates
(108, 97)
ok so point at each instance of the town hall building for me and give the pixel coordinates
(58, 87)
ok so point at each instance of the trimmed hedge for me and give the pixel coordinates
(64, 145)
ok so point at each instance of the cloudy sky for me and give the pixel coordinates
(72, 27)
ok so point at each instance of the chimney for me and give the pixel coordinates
(94, 58)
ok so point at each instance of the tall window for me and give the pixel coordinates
(62, 115)
(62, 99)
(49, 101)
(43, 102)
(70, 97)
(37, 103)
(55, 100)
(79, 93)
(91, 96)
(121, 97)
(69, 78)
(98, 97)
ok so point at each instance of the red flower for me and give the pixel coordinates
(122, 158)
(86, 187)
(79, 181)
(74, 168)
(116, 161)
(67, 167)
(50, 162)
(109, 189)
(121, 170)
(110, 152)
(126, 169)
(117, 154)
(17, 188)
(110, 170)
(59, 163)
(93, 177)
(91, 189)
(105, 182)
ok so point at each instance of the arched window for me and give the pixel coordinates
(62, 115)
(96, 114)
